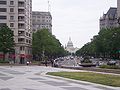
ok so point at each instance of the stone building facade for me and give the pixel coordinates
(41, 20)
(109, 20)
(112, 18)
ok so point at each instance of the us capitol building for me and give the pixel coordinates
(70, 48)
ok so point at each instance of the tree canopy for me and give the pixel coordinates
(105, 44)
(45, 43)
(6, 40)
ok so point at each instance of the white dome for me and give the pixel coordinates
(69, 44)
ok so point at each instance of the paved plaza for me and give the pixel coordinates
(34, 78)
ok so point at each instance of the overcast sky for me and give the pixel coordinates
(78, 19)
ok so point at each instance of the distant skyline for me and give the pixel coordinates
(78, 19)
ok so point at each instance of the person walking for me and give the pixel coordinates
(27, 63)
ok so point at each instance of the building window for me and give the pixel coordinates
(34, 17)
(11, 9)
(11, 24)
(29, 35)
(33, 20)
(27, 40)
(3, 10)
(22, 48)
(11, 2)
(43, 16)
(30, 41)
(3, 17)
(21, 39)
(38, 20)
(11, 17)
(26, 34)
(38, 16)
(3, 2)
(2, 24)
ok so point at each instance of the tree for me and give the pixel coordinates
(6, 40)
(45, 44)
(105, 44)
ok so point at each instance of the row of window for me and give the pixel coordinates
(22, 48)
(48, 21)
(27, 34)
(20, 11)
(39, 25)
(3, 24)
(12, 26)
(22, 33)
(5, 2)
(5, 17)
(41, 17)
(23, 40)
(5, 9)
(41, 13)
(43, 27)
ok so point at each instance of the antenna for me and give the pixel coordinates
(49, 7)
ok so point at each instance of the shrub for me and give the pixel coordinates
(2, 61)
(110, 67)
(86, 60)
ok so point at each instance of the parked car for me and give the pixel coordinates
(111, 62)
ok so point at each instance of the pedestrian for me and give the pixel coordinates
(45, 61)
(10, 63)
(27, 63)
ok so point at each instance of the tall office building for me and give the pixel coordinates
(17, 14)
(41, 20)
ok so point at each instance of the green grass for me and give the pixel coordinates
(105, 79)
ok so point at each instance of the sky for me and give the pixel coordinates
(78, 19)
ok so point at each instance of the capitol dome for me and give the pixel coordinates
(69, 44)
(70, 48)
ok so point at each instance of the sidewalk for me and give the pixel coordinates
(34, 78)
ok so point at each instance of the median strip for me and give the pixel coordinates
(104, 79)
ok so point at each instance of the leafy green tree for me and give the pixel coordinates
(105, 44)
(6, 40)
(44, 43)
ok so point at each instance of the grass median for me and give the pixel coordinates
(105, 79)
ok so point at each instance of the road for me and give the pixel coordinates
(34, 78)
(69, 62)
